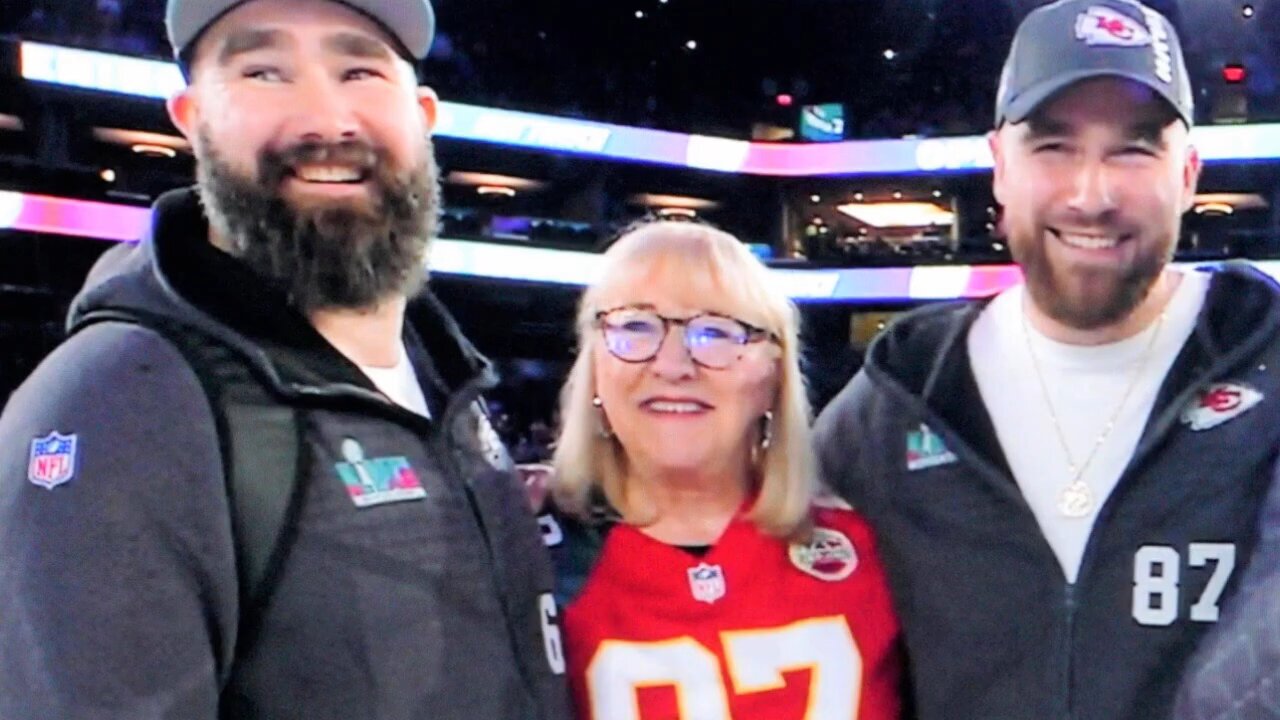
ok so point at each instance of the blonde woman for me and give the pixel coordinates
(698, 574)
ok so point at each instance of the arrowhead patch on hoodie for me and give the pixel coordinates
(1219, 403)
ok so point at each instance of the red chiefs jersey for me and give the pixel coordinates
(756, 629)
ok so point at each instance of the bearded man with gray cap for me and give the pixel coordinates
(1064, 478)
(257, 480)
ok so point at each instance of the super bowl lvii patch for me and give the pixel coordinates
(377, 481)
(926, 449)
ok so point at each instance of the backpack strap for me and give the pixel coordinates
(261, 441)
(265, 464)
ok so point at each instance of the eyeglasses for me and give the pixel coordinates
(714, 341)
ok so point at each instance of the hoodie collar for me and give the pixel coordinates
(1241, 314)
(257, 308)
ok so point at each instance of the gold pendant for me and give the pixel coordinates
(1075, 500)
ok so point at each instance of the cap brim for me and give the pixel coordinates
(1021, 107)
(410, 24)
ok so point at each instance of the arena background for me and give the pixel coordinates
(842, 139)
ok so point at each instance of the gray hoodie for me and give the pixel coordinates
(414, 585)
(992, 627)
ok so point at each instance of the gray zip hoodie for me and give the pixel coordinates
(992, 627)
(414, 584)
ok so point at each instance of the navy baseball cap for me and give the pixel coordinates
(412, 23)
(1067, 41)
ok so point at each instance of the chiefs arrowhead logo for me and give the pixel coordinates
(1219, 403)
(1100, 25)
(829, 555)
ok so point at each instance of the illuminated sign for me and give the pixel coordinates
(961, 153)
(125, 223)
(547, 133)
(99, 71)
(713, 153)
(156, 79)
(67, 216)
(822, 123)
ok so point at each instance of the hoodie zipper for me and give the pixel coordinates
(1213, 367)
(983, 467)
(460, 401)
(1069, 605)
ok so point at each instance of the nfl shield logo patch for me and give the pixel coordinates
(706, 582)
(53, 460)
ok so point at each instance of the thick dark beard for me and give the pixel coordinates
(338, 255)
(1097, 310)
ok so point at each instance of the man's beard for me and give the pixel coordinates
(1087, 298)
(326, 254)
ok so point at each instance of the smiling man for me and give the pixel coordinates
(1064, 478)
(257, 480)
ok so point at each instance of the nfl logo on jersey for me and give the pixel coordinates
(706, 582)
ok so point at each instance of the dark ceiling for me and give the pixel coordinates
(601, 60)
(925, 67)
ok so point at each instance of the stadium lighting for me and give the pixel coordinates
(898, 214)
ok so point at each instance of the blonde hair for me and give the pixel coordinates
(588, 463)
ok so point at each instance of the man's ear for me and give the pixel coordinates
(1190, 177)
(430, 104)
(995, 142)
(184, 112)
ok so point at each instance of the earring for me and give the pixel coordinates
(603, 428)
(766, 430)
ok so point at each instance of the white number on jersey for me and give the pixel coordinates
(1224, 557)
(551, 633)
(1156, 577)
(756, 660)
(552, 535)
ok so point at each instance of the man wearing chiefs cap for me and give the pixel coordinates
(1064, 478)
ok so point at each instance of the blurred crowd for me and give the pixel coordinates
(530, 439)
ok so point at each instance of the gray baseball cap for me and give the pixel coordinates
(1067, 41)
(411, 22)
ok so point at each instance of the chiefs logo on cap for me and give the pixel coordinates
(1105, 26)
(1219, 403)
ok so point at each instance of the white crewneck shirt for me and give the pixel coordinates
(400, 383)
(1085, 387)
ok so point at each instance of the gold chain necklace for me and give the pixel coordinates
(1075, 500)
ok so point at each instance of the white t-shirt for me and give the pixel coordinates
(1085, 385)
(400, 384)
